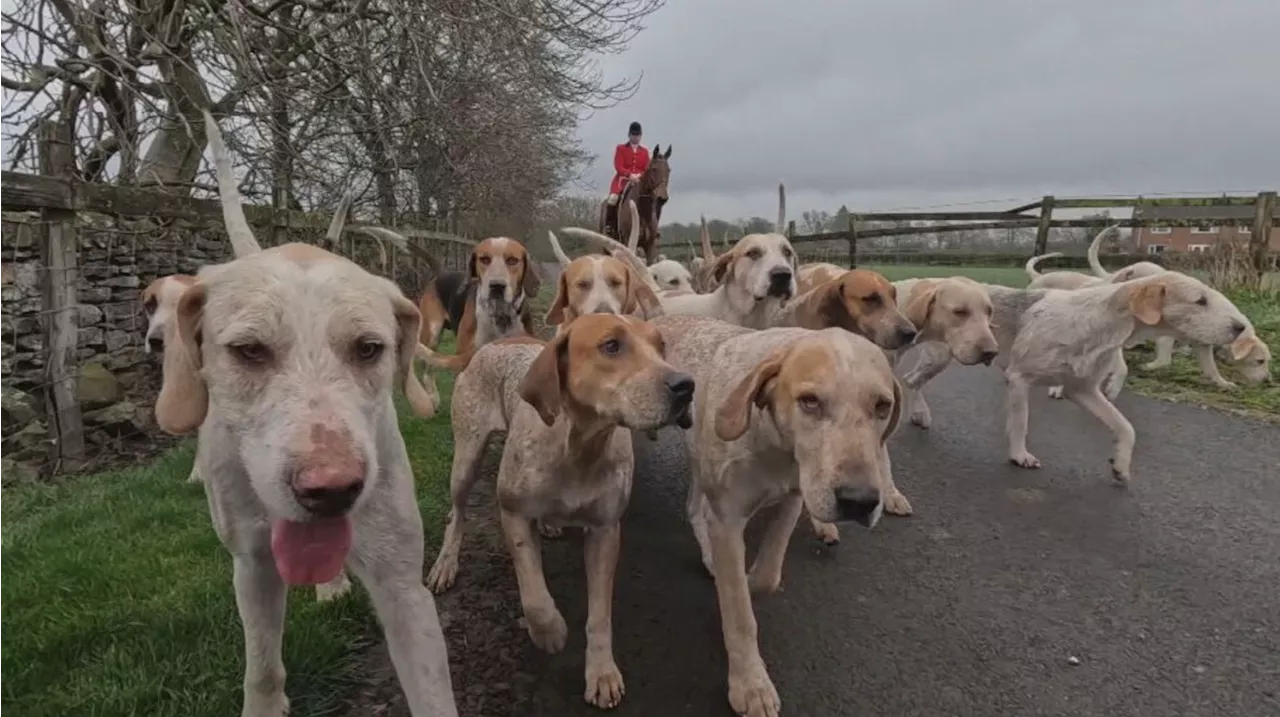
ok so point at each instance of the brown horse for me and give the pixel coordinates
(650, 194)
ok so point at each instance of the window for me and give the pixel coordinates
(1243, 229)
(1205, 228)
(1156, 248)
(1198, 248)
(1161, 230)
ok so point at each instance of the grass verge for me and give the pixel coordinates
(1181, 381)
(119, 598)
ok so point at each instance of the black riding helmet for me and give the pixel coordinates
(634, 129)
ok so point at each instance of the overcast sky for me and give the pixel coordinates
(883, 104)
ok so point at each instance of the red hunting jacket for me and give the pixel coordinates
(626, 162)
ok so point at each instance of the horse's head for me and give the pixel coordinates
(654, 181)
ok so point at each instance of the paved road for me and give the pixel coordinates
(1168, 592)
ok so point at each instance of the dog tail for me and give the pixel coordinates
(633, 241)
(340, 217)
(1098, 269)
(708, 253)
(555, 249)
(1030, 266)
(781, 228)
(243, 243)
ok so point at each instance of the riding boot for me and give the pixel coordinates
(611, 221)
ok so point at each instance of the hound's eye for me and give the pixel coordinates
(611, 347)
(149, 305)
(484, 260)
(754, 254)
(871, 299)
(615, 283)
(251, 352)
(674, 282)
(368, 351)
(1202, 301)
(809, 403)
(584, 285)
(512, 261)
(786, 254)
(962, 313)
(884, 407)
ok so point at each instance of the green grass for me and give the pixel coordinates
(119, 598)
(1181, 381)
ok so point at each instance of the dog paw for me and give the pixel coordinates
(828, 533)
(334, 589)
(1120, 470)
(443, 573)
(921, 419)
(1225, 385)
(549, 529)
(753, 694)
(547, 629)
(1025, 460)
(897, 504)
(1055, 392)
(604, 684)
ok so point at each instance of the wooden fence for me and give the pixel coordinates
(1040, 216)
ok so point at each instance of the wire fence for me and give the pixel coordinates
(79, 383)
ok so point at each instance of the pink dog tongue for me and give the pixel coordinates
(310, 553)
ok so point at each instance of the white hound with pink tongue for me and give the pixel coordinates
(285, 361)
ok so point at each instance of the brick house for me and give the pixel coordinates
(1204, 234)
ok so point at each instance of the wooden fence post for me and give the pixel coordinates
(791, 228)
(1260, 242)
(60, 258)
(853, 241)
(1042, 230)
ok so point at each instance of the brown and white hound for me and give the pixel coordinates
(488, 302)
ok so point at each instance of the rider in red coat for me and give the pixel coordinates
(630, 159)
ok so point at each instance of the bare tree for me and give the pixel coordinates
(442, 109)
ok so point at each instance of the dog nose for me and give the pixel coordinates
(988, 356)
(604, 309)
(907, 335)
(1237, 327)
(681, 386)
(155, 345)
(497, 288)
(779, 275)
(861, 505)
(329, 490)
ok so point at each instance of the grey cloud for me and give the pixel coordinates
(917, 103)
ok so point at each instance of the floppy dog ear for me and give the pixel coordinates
(1243, 346)
(556, 314)
(896, 416)
(471, 266)
(184, 398)
(723, 266)
(541, 385)
(1146, 303)
(640, 295)
(530, 281)
(424, 400)
(734, 415)
(921, 305)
